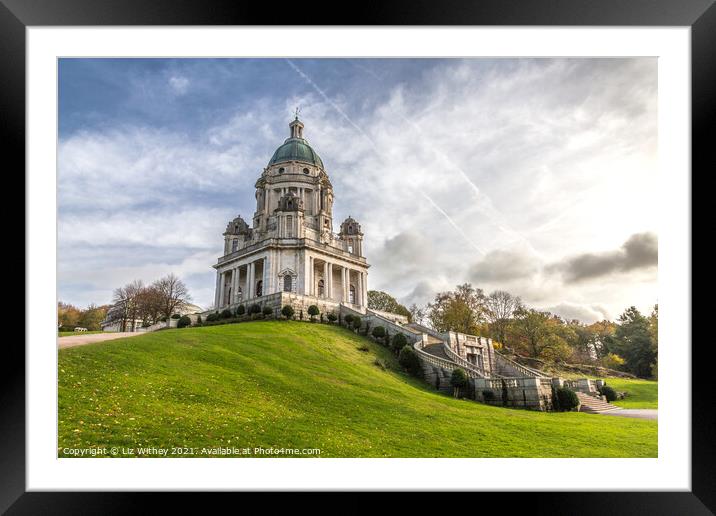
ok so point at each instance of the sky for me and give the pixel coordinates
(535, 176)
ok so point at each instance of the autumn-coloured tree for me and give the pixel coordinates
(461, 310)
(500, 307)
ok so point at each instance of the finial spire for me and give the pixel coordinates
(296, 126)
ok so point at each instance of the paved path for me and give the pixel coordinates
(637, 413)
(80, 340)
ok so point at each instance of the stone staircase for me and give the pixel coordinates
(594, 405)
(436, 348)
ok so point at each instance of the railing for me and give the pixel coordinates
(462, 362)
(527, 371)
(298, 242)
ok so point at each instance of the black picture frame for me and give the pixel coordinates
(700, 15)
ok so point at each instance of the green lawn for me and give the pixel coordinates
(640, 393)
(69, 333)
(301, 385)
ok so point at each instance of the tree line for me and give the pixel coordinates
(70, 317)
(629, 344)
(150, 304)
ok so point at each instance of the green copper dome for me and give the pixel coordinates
(296, 149)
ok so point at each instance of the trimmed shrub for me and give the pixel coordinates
(399, 342)
(198, 320)
(212, 317)
(267, 311)
(607, 391)
(458, 380)
(331, 317)
(183, 321)
(255, 309)
(380, 363)
(488, 395)
(567, 399)
(241, 310)
(409, 359)
(176, 316)
(357, 322)
(378, 332)
(348, 319)
(287, 312)
(313, 311)
(226, 314)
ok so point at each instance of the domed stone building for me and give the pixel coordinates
(290, 253)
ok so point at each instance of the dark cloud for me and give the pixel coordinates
(640, 251)
(503, 265)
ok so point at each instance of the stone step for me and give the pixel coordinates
(593, 405)
(436, 350)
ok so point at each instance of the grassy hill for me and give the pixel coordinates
(640, 393)
(301, 385)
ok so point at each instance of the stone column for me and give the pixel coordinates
(364, 288)
(217, 291)
(330, 281)
(221, 290)
(309, 277)
(326, 281)
(235, 290)
(265, 277)
(247, 290)
(344, 281)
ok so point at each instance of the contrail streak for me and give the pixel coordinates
(375, 147)
(485, 205)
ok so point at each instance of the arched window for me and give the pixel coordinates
(287, 283)
(352, 295)
(321, 288)
(259, 288)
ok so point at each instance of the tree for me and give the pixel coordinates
(91, 317)
(500, 306)
(458, 380)
(399, 341)
(172, 294)
(379, 300)
(540, 334)
(68, 315)
(126, 307)
(331, 317)
(287, 311)
(461, 310)
(313, 311)
(417, 314)
(183, 321)
(378, 332)
(633, 342)
(356, 322)
(409, 359)
(149, 300)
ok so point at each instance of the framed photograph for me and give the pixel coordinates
(445, 249)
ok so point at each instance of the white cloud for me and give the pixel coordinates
(179, 85)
